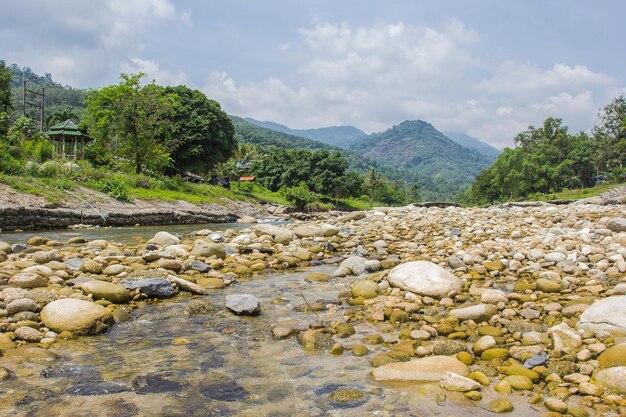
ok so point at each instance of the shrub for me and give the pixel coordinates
(114, 187)
(49, 169)
(300, 195)
(31, 168)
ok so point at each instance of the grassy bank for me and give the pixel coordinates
(54, 184)
(576, 193)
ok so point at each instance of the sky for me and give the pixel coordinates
(489, 68)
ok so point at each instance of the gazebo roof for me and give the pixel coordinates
(66, 128)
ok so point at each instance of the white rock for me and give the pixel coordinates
(608, 314)
(424, 278)
(456, 382)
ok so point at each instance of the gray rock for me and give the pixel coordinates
(200, 266)
(478, 313)
(74, 263)
(22, 304)
(18, 247)
(617, 225)
(243, 304)
(152, 287)
(535, 361)
(216, 237)
(164, 239)
(28, 334)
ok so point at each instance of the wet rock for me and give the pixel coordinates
(424, 278)
(243, 304)
(347, 397)
(28, 334)
(501, 405)
(154, 384)
(364, 288)
(223, 391)
(152, 287)
(185, 285)
(66, 371)
(449, 347)
(455, 382)
(613, 356)
(431, 368)
(31, 353)
(608, 314)
(547, 285)
(102, 290)
(96, 387)
(554, 404)
(316, 340)
(76, 316)
(535, 361)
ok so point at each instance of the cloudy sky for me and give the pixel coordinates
(488, 68)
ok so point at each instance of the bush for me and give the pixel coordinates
(244, 187)
(300, 195)
(114, 187)
(49, 169)
(31, 168)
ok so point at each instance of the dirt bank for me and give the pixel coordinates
(84, 206)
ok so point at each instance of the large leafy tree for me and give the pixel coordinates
(609, 134)
(202, 135)
(132, 120)
(5, 97)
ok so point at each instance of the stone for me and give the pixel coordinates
(152, 287)
(307, 231)
(491, 296)
(613, 356)
(501, 405)
(102, 290)
(554, 404)
(206, 249)
(424, 278)
(478, 312)
(22, 304)
(364, 288)
(355, 264)
(246, 219)
(74, 263)
(607, 314)
(316, 340)
(164, 239)
(28, 280)
(28, 334)
(519, 382)
(484, 343)
(533, 361)
(431, 368)
(317, 277)
(547, 285)
(617, 225)
(5, 247)
(186, 285)
(588, 388)
(280, 234)
(114, 270)
(495, 353)
(243, 304)
(76, 316)
(612, 378)
(200, 266)
(564, 339)
(91, 267)
(458, 383)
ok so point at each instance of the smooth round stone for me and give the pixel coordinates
(519, 382)
(76, 316)
(114, 269)
(455, 382)
(102, 290)
(91, 267)
(554, 404)
(22, 304)
(495, 353)
(365, 288)
(28, 280)
(424, 278)
(613, 356)
(28, 334)
(501, 405)
(243, 304)
(608, 314)
(431, 368)
(317, 277)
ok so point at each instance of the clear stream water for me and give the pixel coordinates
(165, 362)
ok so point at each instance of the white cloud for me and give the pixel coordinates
(80, 43)
(154, 72)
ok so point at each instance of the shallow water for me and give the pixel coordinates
(167, 363)
(118, 234)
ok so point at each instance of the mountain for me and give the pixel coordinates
(340, 136)
(422, 153)
(468, 141)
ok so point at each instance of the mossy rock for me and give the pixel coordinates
(501, 405)
(562, 368)
(317, 277)
(347, 395)
(613, 356)
(465, 357)
(344, 330)
(449, 347)
(360, 350)
(517, 369)
(373, 339)
(382, 359)
(495, 353)
(519, 382)
(490, 331)
(398, 316)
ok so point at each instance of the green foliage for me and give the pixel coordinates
(130, 121)
(115, 187)
(300, 195)
(49, 169)
(5, 89)
(609, 135)
(202, 135)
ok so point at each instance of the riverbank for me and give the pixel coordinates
(20, 210)
(503, 308)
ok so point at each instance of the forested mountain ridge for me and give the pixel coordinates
(468, 141)
(423, 154)
(340, 136)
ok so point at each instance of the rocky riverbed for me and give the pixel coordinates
(517, 310)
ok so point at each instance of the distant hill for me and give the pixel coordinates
(468, 141)
(340, 136)
(422, 153)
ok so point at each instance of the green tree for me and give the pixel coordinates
(5, 98)
(132, 121)
(609, 134)
(300, 195)
(202, 135)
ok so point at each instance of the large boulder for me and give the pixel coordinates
(617, 225)
(431, 368)
(613, 356)
(612, 378)
(207, 248)
(564, 339)
(243, 304)
(608, 314)
(102, 290)
(76, 316)
(164, 239)
(424, 278)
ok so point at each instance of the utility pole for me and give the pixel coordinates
(41, 106)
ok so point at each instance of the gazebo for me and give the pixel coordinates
(67, 141)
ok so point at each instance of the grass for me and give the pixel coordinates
(579, 193)
(49, 188)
